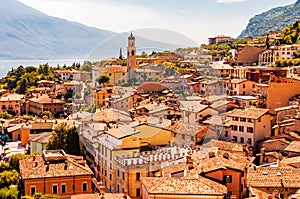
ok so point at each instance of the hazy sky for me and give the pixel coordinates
(197, 19)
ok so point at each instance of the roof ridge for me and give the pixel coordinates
(71, 160)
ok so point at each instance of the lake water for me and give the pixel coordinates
(7, 65)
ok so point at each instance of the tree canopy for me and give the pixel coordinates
(65, 137)
(103, 79)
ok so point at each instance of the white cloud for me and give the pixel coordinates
(229, 1)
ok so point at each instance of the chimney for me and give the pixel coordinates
(117, 125)
(47, 166)
(66, 165)
(160, 120)
(226, 155)
(278, 162)
(211, 154)
(172, 121)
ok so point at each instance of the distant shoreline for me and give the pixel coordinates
(7, 65)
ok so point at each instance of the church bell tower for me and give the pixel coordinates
(131, 53)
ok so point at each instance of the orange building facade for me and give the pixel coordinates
(55, 173)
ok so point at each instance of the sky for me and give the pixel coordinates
(197, 19)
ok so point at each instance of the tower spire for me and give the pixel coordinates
(131, 37)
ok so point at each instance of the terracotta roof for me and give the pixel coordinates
(14, 128)
(187, 129)
(293, 161)
(109, 115)
(258, 194)
(75, 167)
(253, 113)
(287, 177)
(45, 99)
(12, 97)
(225, 146)
(179, 186)
(41, 137)
(105, 90)
(151, 86)
(192, 106)
(218, 120)
(146, 70)
(115, 69)
(294, 146)
(218, 66)
(236, 81)
(221, 162)
(122, 131)
(97, 196)
(166, 172)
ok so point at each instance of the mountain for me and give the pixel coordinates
(274, 19)
(26, 33)
(147, 40)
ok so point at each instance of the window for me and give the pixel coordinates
(54, 189)
(218, 132)
(183, 136)
(109, 74)
(242, 119)
(259, 120)
(249, 141)
(226, 133)
(227, 178)
(123, 175)
(241, 129)
(32, 190)
(234, 127)
(63, 188)
(118, 172)
(250, 129)
(235, 138)
(138, 192)
(110, 176)
(138, 176)
(250, 120)
(242, 140)
(192, 138)
(244, 85)
(235, 119)
(84, 187)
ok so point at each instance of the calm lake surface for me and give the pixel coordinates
(7, 65)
